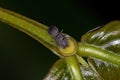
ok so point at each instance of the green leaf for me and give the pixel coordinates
(89, 74)
(58, 71)
(107, 71)
(106, 37)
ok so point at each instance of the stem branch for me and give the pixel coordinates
(94, 51)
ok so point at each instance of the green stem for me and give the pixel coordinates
(34, 29)
(81, 60)
(94, 51)
(74, 68)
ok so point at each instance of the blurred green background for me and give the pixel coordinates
(23, 58)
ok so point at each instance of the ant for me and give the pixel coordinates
(60, 38)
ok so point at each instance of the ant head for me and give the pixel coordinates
(53, 30)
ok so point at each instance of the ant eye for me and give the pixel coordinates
(53, 31)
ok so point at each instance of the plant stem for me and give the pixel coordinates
(81, 61)
(94, 51)
(74, 68)
(34, 29)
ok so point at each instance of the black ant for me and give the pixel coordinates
(60, 38)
